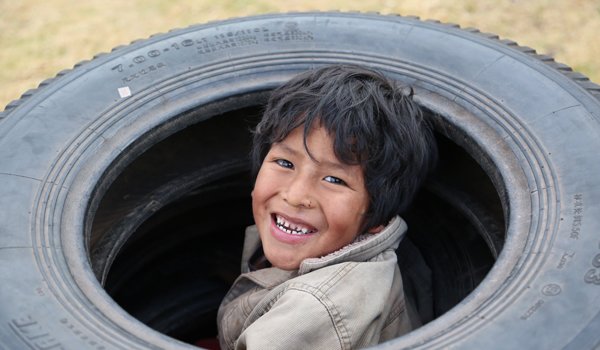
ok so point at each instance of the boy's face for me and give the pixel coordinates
(307, 207)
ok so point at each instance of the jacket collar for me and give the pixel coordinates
(365, 247)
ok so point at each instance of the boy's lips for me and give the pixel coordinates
(292, 226)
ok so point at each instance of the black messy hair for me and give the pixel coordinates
(373, 122)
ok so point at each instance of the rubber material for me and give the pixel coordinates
(531, 123)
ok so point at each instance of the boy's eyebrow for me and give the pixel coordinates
(286, 148)
(337, 165)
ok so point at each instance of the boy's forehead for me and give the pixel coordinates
(302, 140)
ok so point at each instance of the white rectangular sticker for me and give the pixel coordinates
(124, 91)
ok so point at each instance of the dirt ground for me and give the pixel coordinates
(40, 38)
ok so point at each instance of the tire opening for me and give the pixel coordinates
(167, 235)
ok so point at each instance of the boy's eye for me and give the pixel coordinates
(284, 163)
(334, 180)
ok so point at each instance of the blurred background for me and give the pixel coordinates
(40, 38)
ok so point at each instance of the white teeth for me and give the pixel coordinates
(290, 228)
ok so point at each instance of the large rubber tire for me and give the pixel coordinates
(91, 155)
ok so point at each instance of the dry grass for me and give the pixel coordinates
(40, 38)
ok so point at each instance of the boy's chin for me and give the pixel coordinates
(287, 268)
(283, 263)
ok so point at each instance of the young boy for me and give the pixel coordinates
(340, 151)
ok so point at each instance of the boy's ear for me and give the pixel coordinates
(376, 229)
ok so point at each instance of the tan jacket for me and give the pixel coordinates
(349, 299)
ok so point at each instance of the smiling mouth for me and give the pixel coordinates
(291, 228)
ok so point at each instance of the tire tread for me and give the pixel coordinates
(580, 79)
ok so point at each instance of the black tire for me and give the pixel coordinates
(120, 152)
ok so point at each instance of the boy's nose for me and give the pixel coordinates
(298, 194)
(305, 202)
